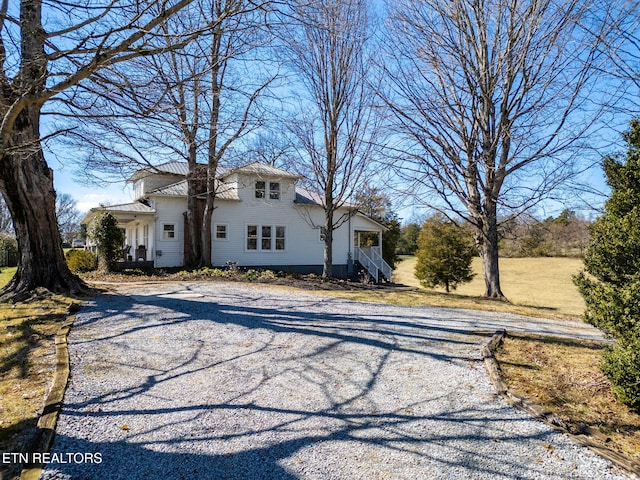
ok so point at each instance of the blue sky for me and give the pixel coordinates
(66, 180)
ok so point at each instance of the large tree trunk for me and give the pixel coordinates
(27, 185)
(489, 256)
(194, 258)
(487, 242)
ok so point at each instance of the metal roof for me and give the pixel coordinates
(182, 169)
(134, 208)
(179, 189)
(171, 168)
(307, 197)
(261, 170)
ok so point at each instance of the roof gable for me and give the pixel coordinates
(261, 170)
(179, 189)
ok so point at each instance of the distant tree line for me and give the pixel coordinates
(566, 235)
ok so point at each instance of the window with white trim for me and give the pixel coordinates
(280, 237)
(168, 231)
(270, 190)
(252, 237)
(274, 190)
(266, 238)
(221, 231)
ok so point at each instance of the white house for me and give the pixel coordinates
(262, 219)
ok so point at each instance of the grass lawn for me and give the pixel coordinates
(6, 274)
(27, 362)
(542, 283)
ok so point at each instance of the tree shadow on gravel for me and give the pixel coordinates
(168, 460)
(278, 389)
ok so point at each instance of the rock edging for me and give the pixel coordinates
(588, 437)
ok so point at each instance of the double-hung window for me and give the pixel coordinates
(274, 190)
(221, 232)
(252, 237)
(280, 237)
(168, 231)
(266, 237)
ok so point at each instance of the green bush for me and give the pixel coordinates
(252, 275)
(621, 364)
(612, 287)
(81, 261)
(104, 231)
(444, 254)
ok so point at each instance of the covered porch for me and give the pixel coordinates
(368, 252)
(137, 220)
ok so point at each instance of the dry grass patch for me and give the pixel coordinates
(564, 377)
(538, 283)
(430, 298)
(27, 364)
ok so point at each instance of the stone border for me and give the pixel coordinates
(46, 427)
(587, 437)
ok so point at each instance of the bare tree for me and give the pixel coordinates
(273, 148)
(327, 54)
(190, 103)
(68, 216)
(39, 65)
(489, 103)
(620, 42)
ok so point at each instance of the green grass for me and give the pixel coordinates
(540, 282)
(6, 274)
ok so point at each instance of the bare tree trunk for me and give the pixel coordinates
(327, 268)
(27, 185)
(36, 67)
(207, 220)
(488, 246)
(194, 219)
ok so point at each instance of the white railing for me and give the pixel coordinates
(371, 259)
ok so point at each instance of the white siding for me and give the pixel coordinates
(303, 245)
(170, 212)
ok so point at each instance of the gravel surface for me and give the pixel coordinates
(233, 381)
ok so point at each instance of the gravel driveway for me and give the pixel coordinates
(233, 381)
